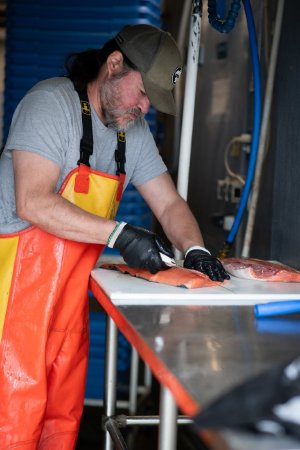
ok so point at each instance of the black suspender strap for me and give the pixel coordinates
(86, 143)
(120, 153)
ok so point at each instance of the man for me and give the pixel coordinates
(74, 144)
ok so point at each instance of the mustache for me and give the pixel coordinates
(135, 111)
(119, 113)
(124, 112)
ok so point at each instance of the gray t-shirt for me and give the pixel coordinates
(48, 122)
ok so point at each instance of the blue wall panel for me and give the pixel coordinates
(40, 33)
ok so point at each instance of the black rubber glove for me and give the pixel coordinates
(203, 262)
(140, 248)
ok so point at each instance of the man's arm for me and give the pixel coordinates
(180, 226)
(172, 212)
(37, 202)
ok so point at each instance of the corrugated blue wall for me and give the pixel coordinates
(39, 35)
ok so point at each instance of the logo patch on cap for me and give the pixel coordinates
(176, 75)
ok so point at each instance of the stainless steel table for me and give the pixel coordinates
(199, 343)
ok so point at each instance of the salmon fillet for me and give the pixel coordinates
(257, 269)
(175, 276)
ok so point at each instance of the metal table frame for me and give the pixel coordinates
(113, 293)
(168, 408)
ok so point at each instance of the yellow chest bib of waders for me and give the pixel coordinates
(44, 313)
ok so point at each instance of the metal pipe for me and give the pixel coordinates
(181, 38)
(189, 101)
(121, 404)
(189, 104)
(110, 375)
(167, 435)
(264, 130)
(133, 387)
(124, 421)
(147, 377)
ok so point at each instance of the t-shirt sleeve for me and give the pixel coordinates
(39, 125)
(149, 162)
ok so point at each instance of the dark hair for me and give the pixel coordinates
(84, 67)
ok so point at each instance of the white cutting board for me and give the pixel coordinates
(124, 289)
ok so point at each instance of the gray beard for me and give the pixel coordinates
(111, 113)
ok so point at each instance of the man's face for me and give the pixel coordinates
(123, 99)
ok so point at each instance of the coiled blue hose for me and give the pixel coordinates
(223, 25)
(256, 123)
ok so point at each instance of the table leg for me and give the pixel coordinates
(133, 388)
(168, 421)
(110, 380)
(147, 377)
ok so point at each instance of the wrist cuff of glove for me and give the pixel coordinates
(115, 234)
(196, 247)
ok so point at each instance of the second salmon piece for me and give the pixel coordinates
(258, 269)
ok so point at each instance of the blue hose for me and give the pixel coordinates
(277, 308)
(256, 124)
(223, 25)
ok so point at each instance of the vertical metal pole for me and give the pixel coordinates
(147, 377)
(110, 380)
(189, 100)
(133, 381)
(168, 421)
(189, 105)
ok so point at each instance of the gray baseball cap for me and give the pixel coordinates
(155, 54)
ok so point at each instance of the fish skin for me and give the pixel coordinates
(261, 270)
(175, 276)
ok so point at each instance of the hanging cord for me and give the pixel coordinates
(242, 139)
(223, 25)
(255, 132)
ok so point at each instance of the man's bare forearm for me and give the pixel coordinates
(58, 216)
(180, 226)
